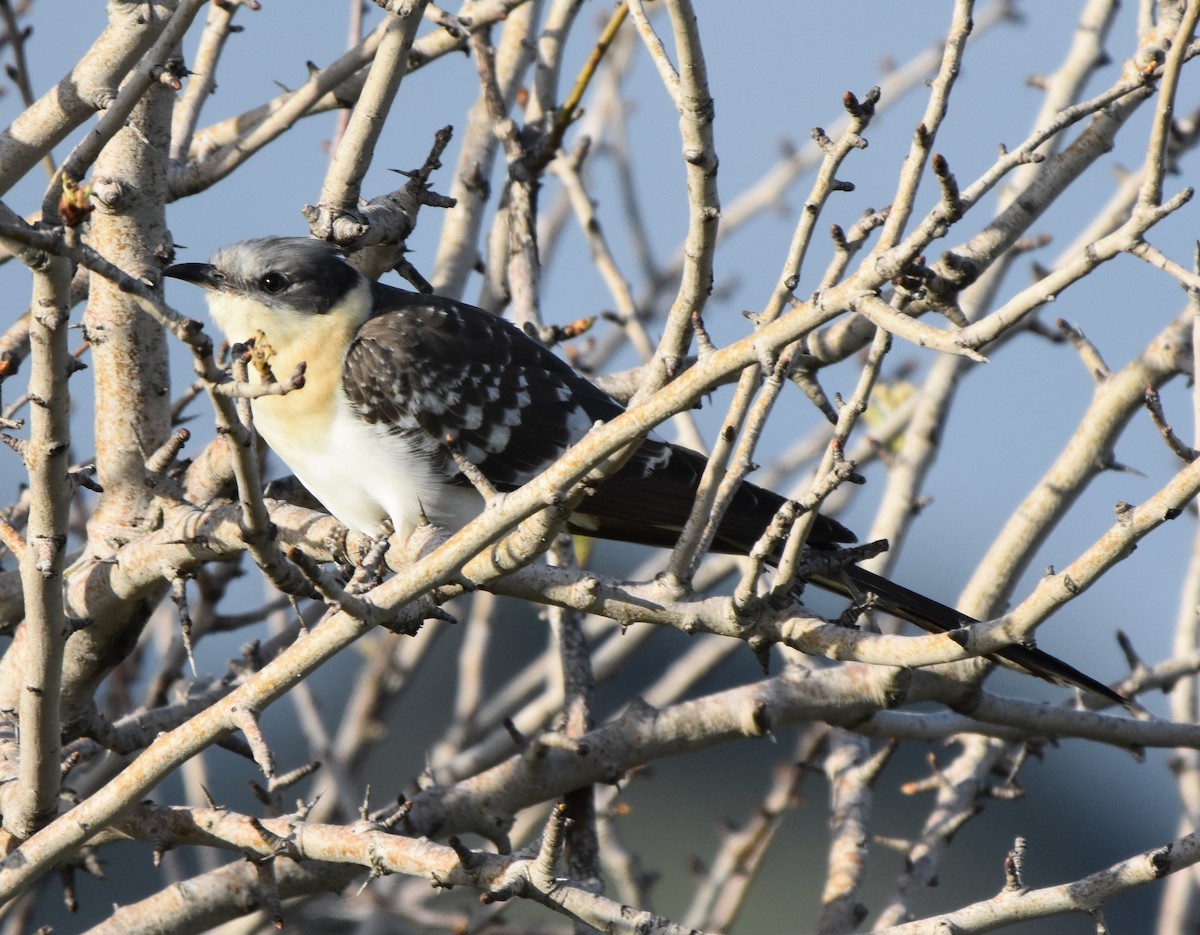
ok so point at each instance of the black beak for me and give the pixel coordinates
(202, 274)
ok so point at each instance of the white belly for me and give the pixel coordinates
(362, 474)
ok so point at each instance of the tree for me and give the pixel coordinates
(507, 758)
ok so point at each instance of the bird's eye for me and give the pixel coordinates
(274, 282)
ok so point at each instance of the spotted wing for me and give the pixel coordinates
(434, 369)
(441, 371)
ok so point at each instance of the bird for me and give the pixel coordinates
(401, 388)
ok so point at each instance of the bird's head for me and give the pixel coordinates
(278, 285)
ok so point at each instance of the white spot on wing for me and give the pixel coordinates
(498, 437)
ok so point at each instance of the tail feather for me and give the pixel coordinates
(649, 499)
(935, 617)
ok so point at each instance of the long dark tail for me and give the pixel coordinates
(930, 615)
(648, 500)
